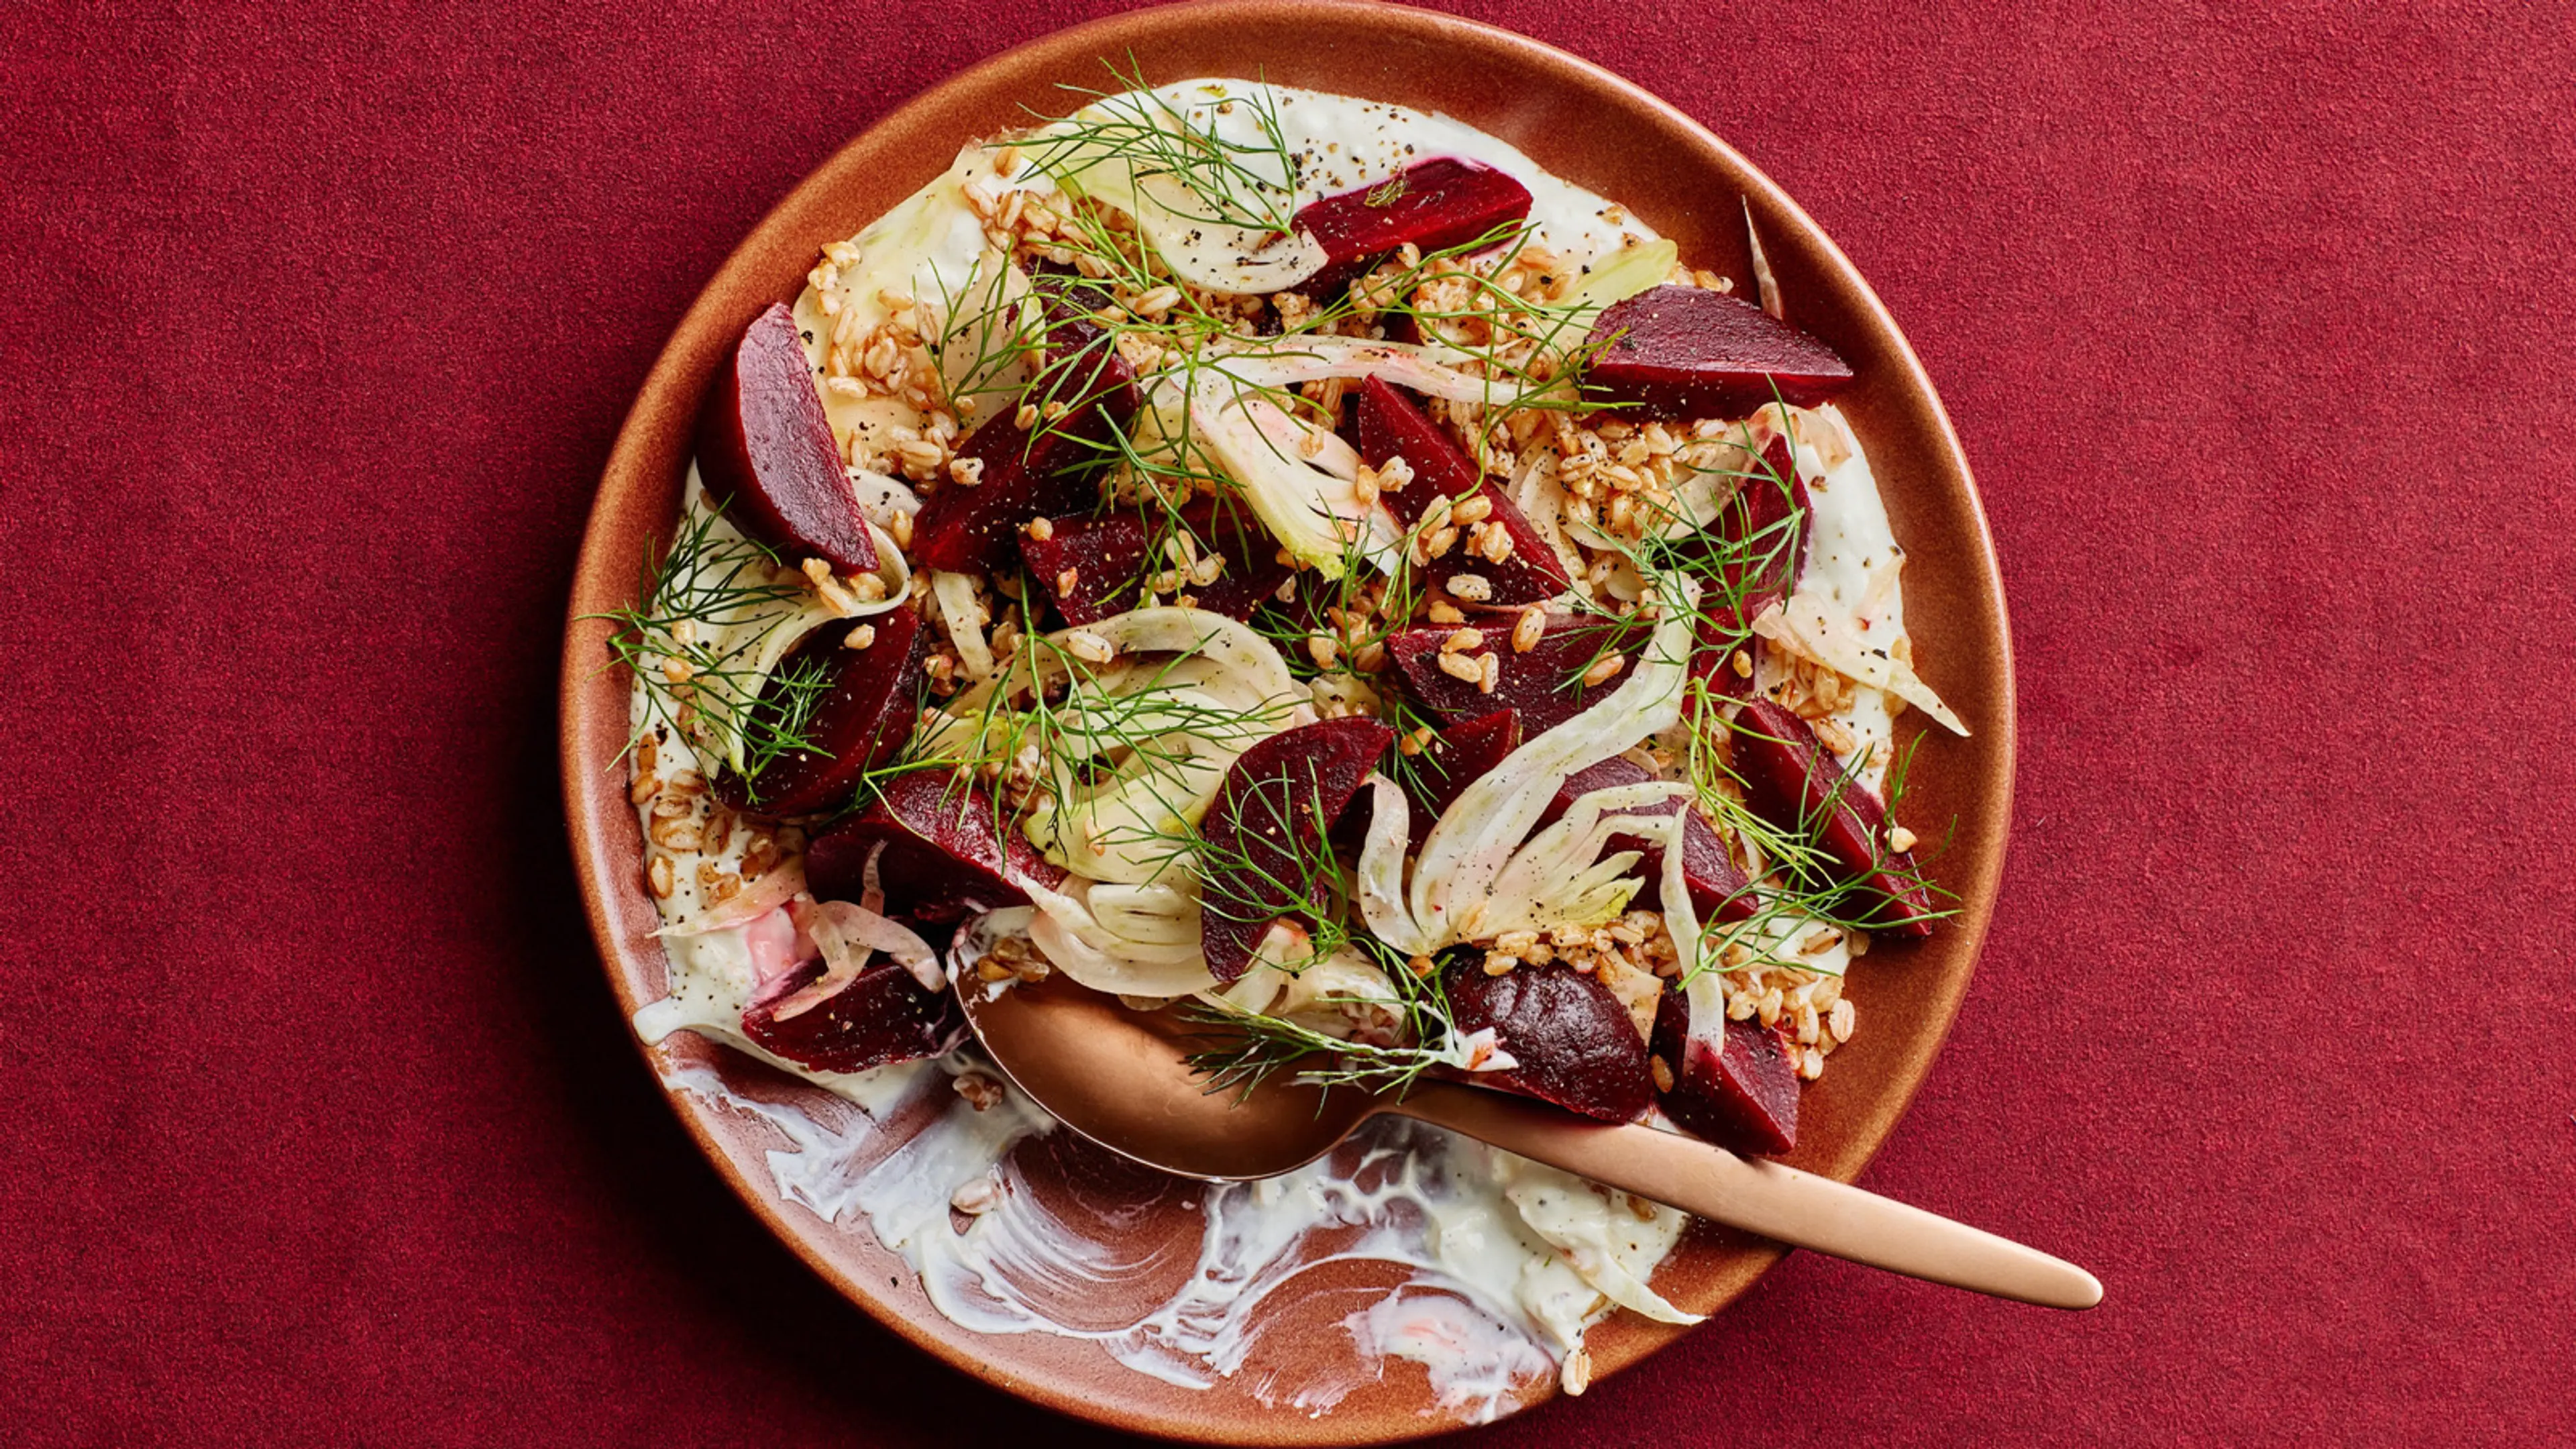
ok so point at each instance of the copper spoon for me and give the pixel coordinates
(1122, 1078)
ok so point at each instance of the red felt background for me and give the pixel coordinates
(318, 1125)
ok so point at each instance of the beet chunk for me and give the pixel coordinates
(942, 856)
(1082, 366)
(1545, 684)
(1107, 559)
(1712, 663)
(975, 529)
(765, 450)
(1530, 574)
(865, 715)
(1717, 887)
(1761, 536)
(1685, 352)
(1731, 1082)
(1437, 204)
(1575, 1043)
(1390, 426)
(1266, 827)
(1461, 755)
(882, 1017)
(1794, 782)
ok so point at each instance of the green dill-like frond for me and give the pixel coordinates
(694, 642)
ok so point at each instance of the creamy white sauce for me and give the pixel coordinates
(1854, 573)
(1498, 1249)
(1509, 1261)
(1342, 143)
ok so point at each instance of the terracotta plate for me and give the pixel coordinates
(1580, 123)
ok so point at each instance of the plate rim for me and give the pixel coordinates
(603, 869)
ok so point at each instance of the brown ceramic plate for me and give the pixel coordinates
(1581, 123)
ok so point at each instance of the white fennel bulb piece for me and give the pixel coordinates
(1847, 612)
(963, 618)
(1077, 943)
(1314, 514)
(1454, 877)
(1381, 869)
(1562, 879)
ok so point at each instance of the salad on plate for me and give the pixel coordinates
(1288, 559)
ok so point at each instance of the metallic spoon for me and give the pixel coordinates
(1122, 1078)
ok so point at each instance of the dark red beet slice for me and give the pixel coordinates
(1544, 684)
(1083, 365)
(1731, 1082)
(1266, 826)
(1390, 425)
(1530, 574)
(1712, 663)
(1460, 755)
(1106, 558)
(942, 859)
(765, 450)
(1687, 352)
(1717, 887)
(973, 529)
(1762, 537)
(976, 529)
(882, 1017)
(1437, 204)
(861, 722)
(1575, 1043)
(1794, 782)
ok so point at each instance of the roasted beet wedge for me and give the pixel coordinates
(1083, 366)
(882, 1017)
(1437, 204)
(1731, 1082)
(1023, 476)
(1456, 759)
(1718, 889)
(1575, 1043)
(1390, 425)
(1093, 567)
(1545, 684)
(975, 530)
(765, 450)
(864, 716)
(1713, 661)
(942, 858)
(1686, 352)
(1530, 573)
(1794, 782)
(1266, 827)
(1761, 538)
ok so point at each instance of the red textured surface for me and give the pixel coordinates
(314, 331)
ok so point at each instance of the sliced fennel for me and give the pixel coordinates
(1314, 514)
(1561, 879)
(963, 619)
(1077, 942)
(1135, 752)
(1628, 271)
(1272, 363)
(1129, 151)
(1381, 870)
(1454, 877)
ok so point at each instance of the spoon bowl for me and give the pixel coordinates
(1123, 1079)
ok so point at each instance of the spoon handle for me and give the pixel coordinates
(1780, 1203)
